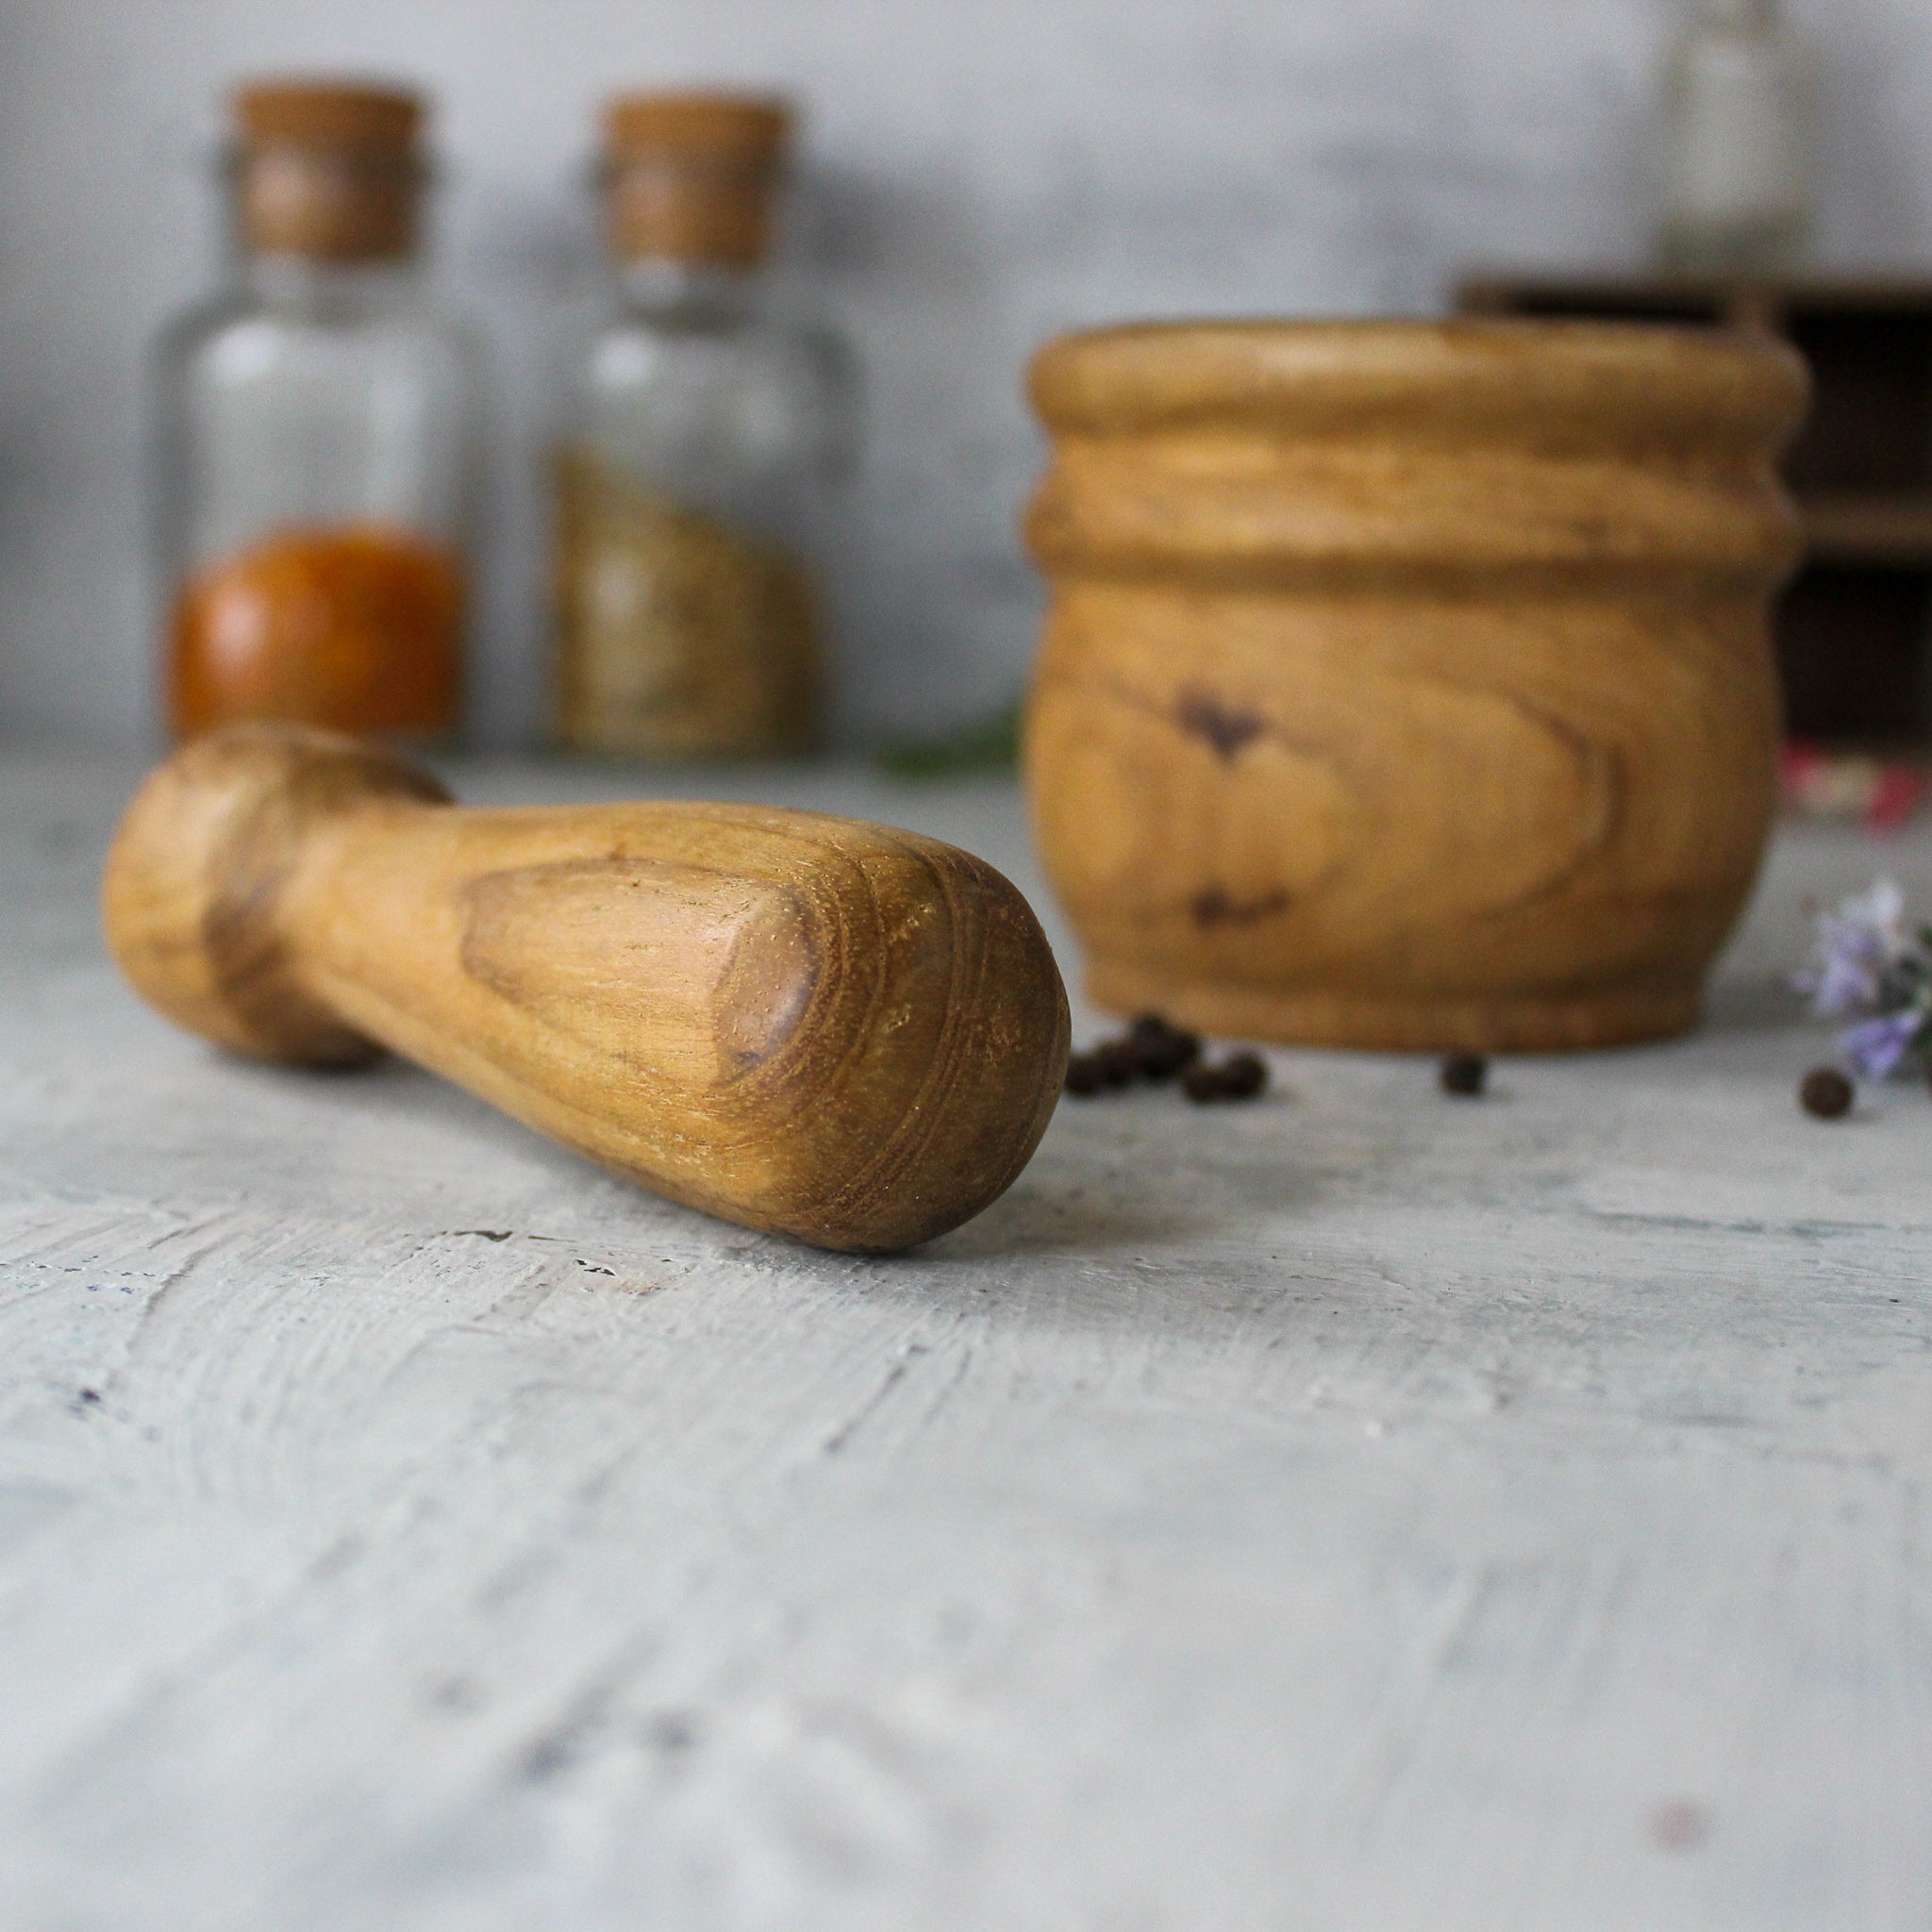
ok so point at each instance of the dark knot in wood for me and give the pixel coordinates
(1215, 906)
(1224, 726)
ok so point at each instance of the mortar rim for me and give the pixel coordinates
(1638, 377)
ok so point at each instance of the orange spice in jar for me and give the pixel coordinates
(353, 629)
(319, 433)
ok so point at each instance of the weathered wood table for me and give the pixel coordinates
(1361, 1509)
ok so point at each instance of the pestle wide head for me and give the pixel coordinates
(196, 871)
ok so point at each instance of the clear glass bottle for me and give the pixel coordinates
(700, 470)
(318, 437)
(1738, 143)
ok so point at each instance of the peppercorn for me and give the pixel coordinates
(1826, 1093)
(1083, 1076)
(1465, 1075)
(1202, 1083)
(1118, 1061)
(1244, 1075)
(1240, 1076)
(1164, 1049)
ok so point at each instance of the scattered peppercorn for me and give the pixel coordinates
(1083, 1076)
(1164, 1050)
(1240, 1076)
(1202, 1083)
(1154, 1049)
(1826, 1093)
(1464, 1074)
(1244, 1075)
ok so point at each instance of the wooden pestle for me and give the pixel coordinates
(807, 1025)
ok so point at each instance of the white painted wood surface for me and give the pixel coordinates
(1364, 1510)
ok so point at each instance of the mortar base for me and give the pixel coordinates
(1505, 1023)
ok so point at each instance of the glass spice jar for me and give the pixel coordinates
(318, 437)
(699, 471)
(1739, 143)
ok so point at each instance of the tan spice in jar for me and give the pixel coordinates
(352, 628)
(678, 636)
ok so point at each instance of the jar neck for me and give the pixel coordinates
(663, 285)
(1752, 19)
(306, 285)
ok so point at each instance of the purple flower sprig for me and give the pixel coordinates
(1863, 962)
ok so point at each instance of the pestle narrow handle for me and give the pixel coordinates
(802, 1023)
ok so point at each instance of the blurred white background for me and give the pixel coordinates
(976, 174)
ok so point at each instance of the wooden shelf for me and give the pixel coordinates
(1852, 526)
(1855, 627)
(1724, 300)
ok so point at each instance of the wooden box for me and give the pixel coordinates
(1852, 627)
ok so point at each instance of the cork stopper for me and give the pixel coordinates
(329, 170)
(693, 176)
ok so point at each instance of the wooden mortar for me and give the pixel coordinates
(1407, 684)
